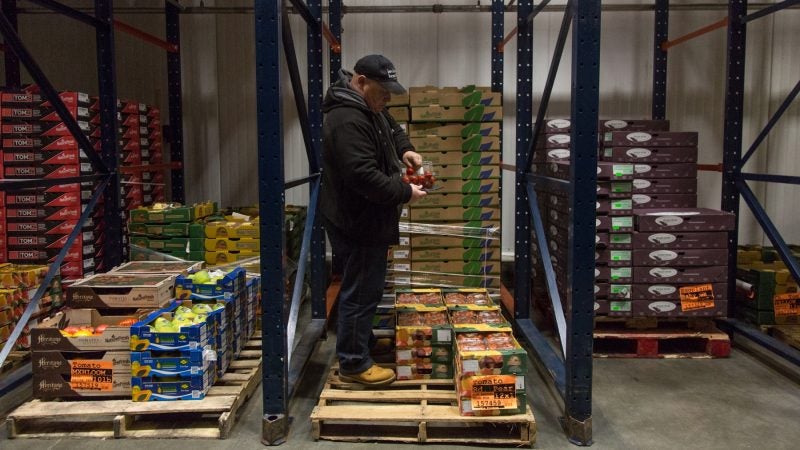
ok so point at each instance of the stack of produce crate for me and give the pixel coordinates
(171, 229)
(766, 277)
(18, 285)
(35, 223)
(154, 189)
(85, 351)
(457, 132)
(423, 335)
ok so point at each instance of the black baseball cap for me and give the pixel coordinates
(379, 68)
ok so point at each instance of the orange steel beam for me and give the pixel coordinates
(501, 46)
(336, 47)
(147, 37)
(710, 167)
(706, 29)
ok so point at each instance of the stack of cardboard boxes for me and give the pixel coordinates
(35, 223)
(656, 253)
(176, 230)
(453, 239)
(423, 335)
(18, 284)
(767, 278)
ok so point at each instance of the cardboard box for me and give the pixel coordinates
(467, 297)
(171, 364)
(66, 362)
(122, 291)
(398, 100)
(684, 219)
(424, 371)
(464, 200)
(476, 113)
(467, 172)
(453, 129)
(170, 245)
(177, 229)
(451, 96)
(457, 185)
(453, 281)
(510, 361)
(473, 143)
(680, 240)
(455, 254)
(555, 141)
(399, 113)
(683, 275)
(463, 158)
(665, 170)
(633, 125)
(680, 257)
(620, 241)
(650, 154)
(191, 387)
(242, 245)
(614, 189)
(51, 386)
(159, 267)
(671, 292)
(227, 257)
(454, 214)
(191, 337)
(49, 171)
(660, 201)
(426, 355)
(667, 308)
(232, 230)
(613, 308)
(457, 267)
(47, 337)
(60, 129)
(177, 214)
(234, 282)
(438, 241)
(650, 139)
(664, 186)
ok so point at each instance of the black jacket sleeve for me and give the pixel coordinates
(401, 141)
(356, 164)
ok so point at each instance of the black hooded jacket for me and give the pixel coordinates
(361, 170)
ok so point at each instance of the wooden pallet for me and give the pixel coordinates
(210, 418)
(662, 343)
(606, 323)
(416, 411)
(789, 334)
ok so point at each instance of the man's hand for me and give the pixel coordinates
(416, 193)
(412, 159)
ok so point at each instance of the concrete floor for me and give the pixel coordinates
(733, 403)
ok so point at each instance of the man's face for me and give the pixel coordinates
(375, 95)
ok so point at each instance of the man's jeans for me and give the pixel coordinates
(362, 289)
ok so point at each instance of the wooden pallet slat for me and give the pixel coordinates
(411, 411)
(707, 342)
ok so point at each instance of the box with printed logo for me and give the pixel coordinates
(614, 189)
(489, 350)
(453, 96)
(650, 154)
(122, 291)
(665, 170)
(650, 139)
(399, 113)
(455, 254)
(47, 171)
(244, 244)
(434, 199)
(19, 114)
(453, 129)
(649, 201)
(664, 186)
(454, 214)
(633, 125)
(424, 371)
(170, 364)
(458, 185)
(680, 240)
(189, 387)
(677, 257)
(684, 219)
(554, 141)
(115, 335)
(613, 308)
(463, 158)
(457, 267)
(467, 172)
(671, 292)
(490, 240)
(80, 362)
(52, 386)
(687, 275)
(476, 113)
(170, 245)
(473, 143)
(20, 98)
(672, 308)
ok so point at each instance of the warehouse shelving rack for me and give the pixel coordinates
(106, 164)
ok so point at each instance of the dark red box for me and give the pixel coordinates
(76, 111)
(671, 291)
(48, 171)
(612, 308)
(610, 125)
(22, 129)
(664, 186)
(688, 275)
(552, 140)
(26, 199)
(20, 99)
(70, 99)
(59, 129)
(665, 170)
(650, 155)
(677, 257)
(20, 114)
(684, 219)
(26, 241)
(613, 258)
(666, 308)
(680, 240)
(620, 241)
(651, 139)
(660, 201)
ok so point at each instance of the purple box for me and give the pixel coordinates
(684, 219)
(667, 308)
(687, 275)
(671, 291)
(612, 308)
(650, 154)
(680, 257)
(650, 139)
(664, 186)
(664, 170)
(620, 241)
(553, 140)
(613, 258)
(661, 201)
(680, 240)
(633, 125)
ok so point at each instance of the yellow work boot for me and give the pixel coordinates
(374, 376)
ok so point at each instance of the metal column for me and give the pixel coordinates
(335, 19)
(107, 79)
(522, 229)
(498, 8)
(11, 61)
(660, 35)
(174, 89)
(583, 174)
(734, 115)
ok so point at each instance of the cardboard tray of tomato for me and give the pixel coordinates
(85, 329)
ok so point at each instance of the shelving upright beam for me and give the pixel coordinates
(660, 35)
(175, 101)
(11, 66)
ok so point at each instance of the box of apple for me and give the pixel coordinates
(180, 326)
(421, 176)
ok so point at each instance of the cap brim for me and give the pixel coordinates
(393, 87)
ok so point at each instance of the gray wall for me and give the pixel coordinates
(450, 49)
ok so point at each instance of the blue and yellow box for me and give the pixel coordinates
(171, 364)
(192, 387)
(233, 282)
(190, 337)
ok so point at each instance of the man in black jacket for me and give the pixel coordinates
(361, 196)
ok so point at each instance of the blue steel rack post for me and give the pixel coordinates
(283, 362)
(572, 371)
(734, 180)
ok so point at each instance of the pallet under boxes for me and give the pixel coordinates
(415, 411)
(210, 418)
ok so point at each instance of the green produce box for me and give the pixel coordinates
(175, 214)
(477, 113)
(458, 185)
(454, 129)
(455, 254)
(452, 96)
(467, 172)
(463, 158)
(464, 200)
(474, 143)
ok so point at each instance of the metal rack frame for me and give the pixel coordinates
(106, 164)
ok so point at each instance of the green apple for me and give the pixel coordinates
(217, 306)
(201, 308)
(200, 318)
(160, 321)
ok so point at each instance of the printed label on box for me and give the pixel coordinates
(494, 392)
(92, 375)
(787, 304)
(697, 297)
